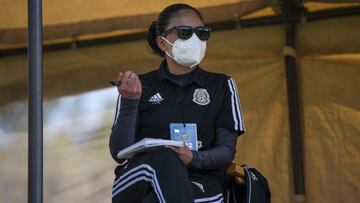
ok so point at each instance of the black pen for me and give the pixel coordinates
(115, 83)
(118, 83)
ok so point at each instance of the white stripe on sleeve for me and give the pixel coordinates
(233, 105)
(238, 106)
(117, 111)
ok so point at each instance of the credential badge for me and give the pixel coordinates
(201, 97)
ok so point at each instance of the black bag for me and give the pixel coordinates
(256, 189)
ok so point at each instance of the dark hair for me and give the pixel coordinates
(158, 27)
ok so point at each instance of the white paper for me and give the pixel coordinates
(147, 144)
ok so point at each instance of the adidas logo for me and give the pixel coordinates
(156, 99)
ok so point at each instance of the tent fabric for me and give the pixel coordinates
(329, 37)
(110, 16)
(65, 22)
(265, 146)
(68, 11)
(331, 112)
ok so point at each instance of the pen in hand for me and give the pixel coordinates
(118, 83)
(115, 83)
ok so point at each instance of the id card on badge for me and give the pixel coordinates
(185, 132)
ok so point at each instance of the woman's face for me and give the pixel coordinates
(183, 17)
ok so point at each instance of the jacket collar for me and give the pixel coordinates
(196, 75)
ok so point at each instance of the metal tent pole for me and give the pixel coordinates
(294, 113)
(35, 93)
(293, 11)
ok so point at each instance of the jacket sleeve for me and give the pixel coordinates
(230, 116)
(221, 155)
(124, 126)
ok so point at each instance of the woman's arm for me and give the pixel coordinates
(124, 128)
(123, 132)
(221, 155)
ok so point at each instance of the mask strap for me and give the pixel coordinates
(192, 66)
(167, 53)
(167, 41)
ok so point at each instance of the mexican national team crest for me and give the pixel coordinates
(201, 97)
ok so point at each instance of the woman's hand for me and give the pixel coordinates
(185, 154)
(130, 87)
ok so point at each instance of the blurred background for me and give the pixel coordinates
(86, 43)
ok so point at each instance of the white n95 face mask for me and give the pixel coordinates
(189, 52)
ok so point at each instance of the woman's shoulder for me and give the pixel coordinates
(209, 75)
(148, 75)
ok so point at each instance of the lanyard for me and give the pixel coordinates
(180, 95)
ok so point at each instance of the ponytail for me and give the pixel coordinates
(151, 38)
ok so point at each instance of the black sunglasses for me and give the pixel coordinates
(185, 32)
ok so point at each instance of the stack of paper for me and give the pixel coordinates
(147, 144)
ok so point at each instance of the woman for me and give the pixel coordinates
(178, 92)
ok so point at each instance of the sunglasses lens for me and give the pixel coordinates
(184, 32)
(203, 33)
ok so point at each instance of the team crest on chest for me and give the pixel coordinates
(201, 97)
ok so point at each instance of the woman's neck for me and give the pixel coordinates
(175, 68)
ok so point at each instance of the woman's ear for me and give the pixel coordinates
(161, 43)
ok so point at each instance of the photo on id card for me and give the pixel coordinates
(184, 132)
